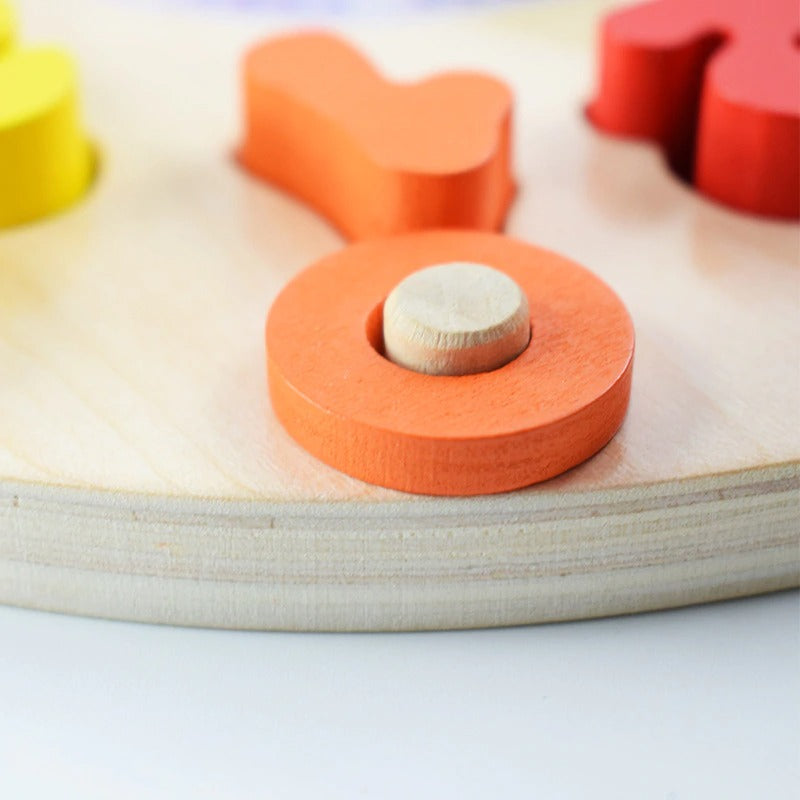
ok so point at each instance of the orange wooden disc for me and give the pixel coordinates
(549, 409)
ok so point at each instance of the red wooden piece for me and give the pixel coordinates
(716, 83)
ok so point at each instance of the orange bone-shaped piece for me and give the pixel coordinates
(376, 157)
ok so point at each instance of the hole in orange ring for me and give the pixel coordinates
(375, 329)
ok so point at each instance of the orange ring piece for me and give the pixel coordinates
(552, 407)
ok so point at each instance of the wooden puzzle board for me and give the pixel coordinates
(142, 474)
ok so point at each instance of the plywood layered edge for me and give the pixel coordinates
(434, 564)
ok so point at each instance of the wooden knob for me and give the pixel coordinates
(455, 319)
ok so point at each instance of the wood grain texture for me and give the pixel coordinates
(455, 319)
(144, 475)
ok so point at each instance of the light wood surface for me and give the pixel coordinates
(455, 319)
(144, 475)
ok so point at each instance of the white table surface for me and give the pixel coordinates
(700, 702)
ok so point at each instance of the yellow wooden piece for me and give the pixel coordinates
(46, 162)
(6, 27)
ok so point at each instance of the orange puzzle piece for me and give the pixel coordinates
(550, 408)
(716, 83)
(376, 157)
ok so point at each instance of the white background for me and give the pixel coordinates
(700, 702)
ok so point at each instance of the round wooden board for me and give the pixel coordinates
(143, 475)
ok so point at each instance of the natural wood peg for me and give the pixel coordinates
(455, 319)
